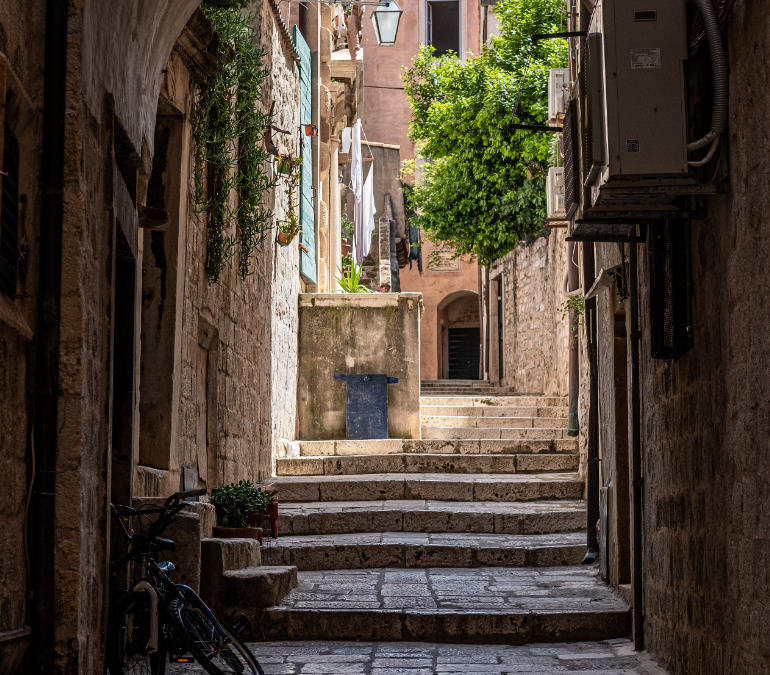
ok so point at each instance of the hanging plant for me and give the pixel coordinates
(289, 227)
(229, 130)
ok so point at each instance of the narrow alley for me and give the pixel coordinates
(384, 337)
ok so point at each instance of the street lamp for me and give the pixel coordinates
(385, 21)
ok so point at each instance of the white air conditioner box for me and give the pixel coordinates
(555, 193)
(626, 127)
(558, 95)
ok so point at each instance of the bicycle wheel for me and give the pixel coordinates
(127, 634)
(218, 656)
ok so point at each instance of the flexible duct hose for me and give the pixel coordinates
(719, 68)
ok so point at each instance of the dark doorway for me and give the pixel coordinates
(444, 26)
(500, 359)
(622, 448)
(124, 375)
(464, 353)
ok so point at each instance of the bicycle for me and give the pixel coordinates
(159, 618)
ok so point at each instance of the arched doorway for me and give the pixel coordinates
(459, 340)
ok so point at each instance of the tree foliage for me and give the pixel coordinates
(482, 187)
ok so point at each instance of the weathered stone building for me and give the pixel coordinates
(124, 371)
(696, 568)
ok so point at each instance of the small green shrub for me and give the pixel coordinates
(237, 501)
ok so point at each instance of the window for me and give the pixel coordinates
(9, 221)
(444, 26)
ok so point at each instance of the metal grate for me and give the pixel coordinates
(9, 220)
(568, 152)
(587, 112)
(670, 289)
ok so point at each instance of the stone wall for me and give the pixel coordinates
(376, 333)
(20, 96)
(119, 61)
(535, 337)
(704, 428)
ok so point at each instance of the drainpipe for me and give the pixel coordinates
(636, 446)
(592, 541)
(486, 341)
(47, 386)
(481, 326)
(573, 281)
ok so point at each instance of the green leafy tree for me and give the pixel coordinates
(482, 188)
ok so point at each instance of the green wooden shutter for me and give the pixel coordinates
(306, 210)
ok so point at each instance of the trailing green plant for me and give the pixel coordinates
(481, 184)
(577, 304)
(350, 278)
(290, 167)
(228, 130)
(238, 501)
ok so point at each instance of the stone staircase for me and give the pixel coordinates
(473, 534)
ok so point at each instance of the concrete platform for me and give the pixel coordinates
(503, 400)
(485, 606)
(445, 487)
(438, 447)
(475, 433)
(538, 517)
(491, 411)
(417, 550)
(487, 422)
(426, 463)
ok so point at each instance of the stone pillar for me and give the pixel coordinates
(335, 224)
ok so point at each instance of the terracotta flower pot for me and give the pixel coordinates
(310, 129)
(284, 239)
(237, 533)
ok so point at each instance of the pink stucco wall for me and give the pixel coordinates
(386, 120)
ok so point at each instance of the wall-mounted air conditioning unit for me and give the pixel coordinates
(555, 194)
(628, 120)
(558, 95)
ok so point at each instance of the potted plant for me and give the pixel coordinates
(289, 227)
(235, 504)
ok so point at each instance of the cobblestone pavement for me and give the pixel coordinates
(609, 657)
(487, 588)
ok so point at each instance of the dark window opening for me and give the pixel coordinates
(464, 353)
(444, 26)
(9, 221)
(500, 359)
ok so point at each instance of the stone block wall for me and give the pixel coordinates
(535, 347)
(704, 429)
(376, 333)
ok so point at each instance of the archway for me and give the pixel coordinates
(459, 340)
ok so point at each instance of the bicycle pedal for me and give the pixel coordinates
(240, 624)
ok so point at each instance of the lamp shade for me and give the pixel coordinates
(385, 20)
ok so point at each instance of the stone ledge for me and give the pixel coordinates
(444, 487)
(539, 517)
(508, 628)
(426, 463)
(417, 550)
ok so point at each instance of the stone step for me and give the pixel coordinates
(496, 401)
(491, 411)
(487, 422)
(537, 517)
(419, 549)
(425, 463)
(492, 433)
(483, 606)
(608, 657)
(437, 447)
(446, 487)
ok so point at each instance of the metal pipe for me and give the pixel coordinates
(486, 341)
(636, 446)
(481, 327)
(47, 387)
(573, 280)
(592, 491)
